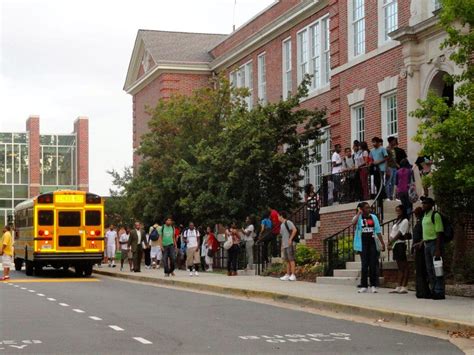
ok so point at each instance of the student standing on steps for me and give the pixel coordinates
(369, 242)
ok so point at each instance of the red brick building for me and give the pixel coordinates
(370, 60)
(32, 163)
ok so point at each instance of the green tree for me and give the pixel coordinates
(446, 131)
(117, 207)
(208, 158)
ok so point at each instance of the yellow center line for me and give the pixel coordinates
(53, 280)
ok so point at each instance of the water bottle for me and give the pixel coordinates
(438, 267)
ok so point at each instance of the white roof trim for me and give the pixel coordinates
(166, 68)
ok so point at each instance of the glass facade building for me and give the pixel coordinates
(24, 155)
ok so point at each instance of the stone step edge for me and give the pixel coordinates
(318, 304)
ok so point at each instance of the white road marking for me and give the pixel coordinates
(95, 318)
(78, 310)
(64, 304)
(23, 288)
(16, 285)
(142, 340)
(117, 328)
(40, 294)
(51, 299)
(31, 291)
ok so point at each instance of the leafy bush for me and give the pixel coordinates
(275, 269)
(305, 255)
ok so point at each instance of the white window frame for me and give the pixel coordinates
(356, 131)
(386, 132)
(352, 22)
(262, 77)
(243, 78)
(436, 4)
(383, 31)
(315, 171)
(313, 49)
(287, 82)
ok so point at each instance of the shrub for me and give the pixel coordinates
(305, 255)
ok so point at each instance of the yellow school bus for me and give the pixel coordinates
(60, 229)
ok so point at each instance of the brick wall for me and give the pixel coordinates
(33, 129)
(331, 223)
(81, 128)
(162, 87)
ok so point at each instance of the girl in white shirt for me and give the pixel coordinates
(398, 237)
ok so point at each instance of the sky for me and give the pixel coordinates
(64, 59)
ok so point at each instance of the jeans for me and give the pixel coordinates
(270, 242)
(168, 258)
(422, 286)
(390, 182)
(249, 251)
(370, 258)
(404, 198)
(232, 256)
(436, 283)
(312, 220)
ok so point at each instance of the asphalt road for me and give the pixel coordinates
(57, 314)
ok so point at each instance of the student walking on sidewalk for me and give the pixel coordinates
(191, 237)
(288, 233)
(124, 249)
(368, 241)
(167, 243)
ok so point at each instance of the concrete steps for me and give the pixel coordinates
(314, 230)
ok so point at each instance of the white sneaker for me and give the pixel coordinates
(285, 278)
(403, 290)
(363, 290)
(191, 273)
(210, 269)
(373, 289)
(397, 290)
(292, 277)
(196, 273)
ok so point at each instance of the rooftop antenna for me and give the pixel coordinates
(233, 16)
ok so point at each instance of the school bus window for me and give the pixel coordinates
(45, 218)
(93, 218)
(69, 219)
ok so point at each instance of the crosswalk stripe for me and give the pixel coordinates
(142, 340)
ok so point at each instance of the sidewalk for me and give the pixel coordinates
(454, 313)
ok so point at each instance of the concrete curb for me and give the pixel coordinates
(350, 309)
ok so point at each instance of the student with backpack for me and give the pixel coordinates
(289, 234)
(155, 249)
(435, 233)
(168, 246)
(192, 239)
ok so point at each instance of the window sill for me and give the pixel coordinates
(313, 93)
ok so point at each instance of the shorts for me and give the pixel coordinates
(110, 252)
(124, 253)
(289, 253)
(7, 260)
(155, 253)
(400, 252)
(192, 256)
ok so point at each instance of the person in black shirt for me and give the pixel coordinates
(400, 154)
(312, 206)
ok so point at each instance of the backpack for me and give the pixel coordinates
(154, 235)
(162, 231)
(296, 239)
(448, 233)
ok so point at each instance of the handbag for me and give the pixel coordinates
(210, 253)
(228, 243)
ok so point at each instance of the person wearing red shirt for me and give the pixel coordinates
(212, 247)
(274, 217)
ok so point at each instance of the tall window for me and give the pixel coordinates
(390, 14)
(358, 27)
(57, 162)
(390, 115)
(287, 68)
(313, 53)
(243, 78)
(262, 79)
(358, 118)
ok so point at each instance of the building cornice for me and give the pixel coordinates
(417, 32)
(171, 67)
(269, 32)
